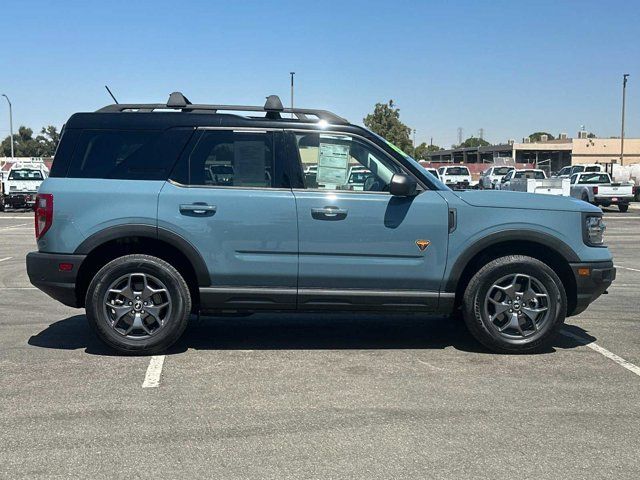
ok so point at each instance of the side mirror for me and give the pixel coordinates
(402, 186)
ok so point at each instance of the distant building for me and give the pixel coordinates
(551, 155)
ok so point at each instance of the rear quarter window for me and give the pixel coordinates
(127, 154)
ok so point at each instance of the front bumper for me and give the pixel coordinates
(592, 280)
(45, 273)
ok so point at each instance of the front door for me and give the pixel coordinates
(227, 197)
(360, 246)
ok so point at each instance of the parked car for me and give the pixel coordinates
(564, 172)
(492, 176)
(457, 177)
(520, 174)
(433, 171)
(131, 227)
(598, 189)
(21, 185)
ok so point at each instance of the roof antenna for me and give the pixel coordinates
(114, 98)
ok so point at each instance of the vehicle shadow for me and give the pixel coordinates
(329, 331)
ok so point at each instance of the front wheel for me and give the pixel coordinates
(138, 304)
(515, 304)
(623, 207)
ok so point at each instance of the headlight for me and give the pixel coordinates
(594, 231)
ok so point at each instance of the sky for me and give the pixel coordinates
(508, 67)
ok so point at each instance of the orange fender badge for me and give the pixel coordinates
(423, 244)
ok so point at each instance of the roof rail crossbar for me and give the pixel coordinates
(177, 101)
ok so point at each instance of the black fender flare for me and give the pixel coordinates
(554, 243)
(149, 231)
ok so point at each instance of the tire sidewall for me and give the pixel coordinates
(177, 291)
(527, 266)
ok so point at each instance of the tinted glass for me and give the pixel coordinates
(126, 154)
(530, 174)
(225, 158)
(501, 170)
(341, 162)
(592, 169)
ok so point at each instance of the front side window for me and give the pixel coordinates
(227, 158)
(342, 162)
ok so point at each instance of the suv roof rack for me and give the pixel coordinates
(273, 108)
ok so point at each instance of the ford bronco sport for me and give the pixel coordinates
(150, 215)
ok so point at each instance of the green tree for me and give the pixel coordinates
(385, 121)
(25, 145)
(535, 137)
(421, 151)
(474, 142)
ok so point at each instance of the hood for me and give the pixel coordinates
(528, 201)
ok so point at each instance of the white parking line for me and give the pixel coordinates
(14, 226)
(15, 218)
(6, 258)
(603, 351)
(154, 370)
(628, 268)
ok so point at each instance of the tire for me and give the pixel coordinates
(131, 284)
(585, 198)
(623, 207)
(491, 281)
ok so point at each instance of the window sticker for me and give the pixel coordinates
(333, 164)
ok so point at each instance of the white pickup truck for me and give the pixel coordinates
(598, 189)
(456, 177)
(21, 184)
(535, 181)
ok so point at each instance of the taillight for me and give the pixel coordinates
(44, 213)
(595, 190)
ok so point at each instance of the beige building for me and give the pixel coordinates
(551, 155)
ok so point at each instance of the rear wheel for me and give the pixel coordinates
(515, 304)
(623, 207)
(138, 304)
(585, 198)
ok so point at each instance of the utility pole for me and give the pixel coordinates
(292, 74)
(459, 135)
(624, 95)
(10, 125)
(414, 140)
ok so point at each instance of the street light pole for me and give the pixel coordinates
(624, 95)
(292, 74)
(10, 124)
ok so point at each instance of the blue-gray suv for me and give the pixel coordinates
(156, 211)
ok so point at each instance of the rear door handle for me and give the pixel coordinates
(329, 213)
(197, 209)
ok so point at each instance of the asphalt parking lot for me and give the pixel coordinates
(321, 396)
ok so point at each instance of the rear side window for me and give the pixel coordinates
(127, 154)
(227, 158)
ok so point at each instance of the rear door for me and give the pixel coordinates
(361, 247)
(229, 197)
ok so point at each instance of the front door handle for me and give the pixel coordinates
(329, 213)
(198, 209)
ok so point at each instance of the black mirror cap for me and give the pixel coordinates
(402, 185)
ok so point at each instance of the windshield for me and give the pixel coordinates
(457, 171)
(25, 174)
(435, 181)
(594, 178)
(501, 170)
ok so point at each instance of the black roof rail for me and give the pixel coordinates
(273, 108)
